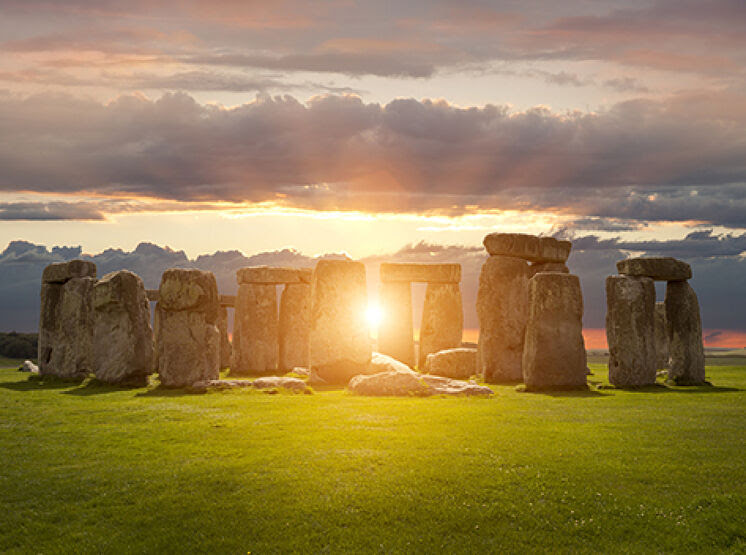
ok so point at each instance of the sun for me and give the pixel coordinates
(374, 315)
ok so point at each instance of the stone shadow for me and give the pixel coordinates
(35, 383)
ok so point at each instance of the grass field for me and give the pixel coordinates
(88, 468)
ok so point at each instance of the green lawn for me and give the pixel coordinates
(91, 469)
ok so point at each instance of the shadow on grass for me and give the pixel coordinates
(671, 388)
(35, 382)
(585, 393)
(160, 391)
(95, 387)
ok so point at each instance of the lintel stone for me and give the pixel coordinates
(663, 268)
(61, 272)
(427, 273)
(273, 275)
(528, 247)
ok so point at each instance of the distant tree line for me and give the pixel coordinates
(18, 345)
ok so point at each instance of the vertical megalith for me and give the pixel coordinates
(187, 336)
(122, 336)
(339, 338)
(225, 343)
(554, 351)
(66, 319)
(396, 330)
(661, 336)
(502, 308)
(442, 320)
(256, 311)
(630, 330)
(295, 315)
(684, 334)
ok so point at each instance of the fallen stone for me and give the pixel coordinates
(425, 273)
(29, 366)
(273, 275)
(661, 336)
(256, 338)
(339, 338)
(660, 269)
(294, 325)
(527, 247)
(395, 331)
(187, 336)
(684, 328)
(554, 351)
(630, 330)
(539, 267)
(404, 383)
(384, 363)
(442, 319)
(459, 363)
(61, 272)
(502, 308)
(122, 336)
(300, 371)
(268, 382)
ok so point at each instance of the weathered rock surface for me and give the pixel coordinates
(554, 351)
(528, 247)
(502, 308)
(66, 329)
(226, 351)
(684, 334)
(396, 331)
(539, 267)
(384, 363)
(29, 366)
(442, 319)
(62, 272)
(187, 336)
(661, 336)
(630, 330)
(339, 338)
(661, 269)
(459, 363)
(426, 273)
(410, 383)
(122, 336)
(295, 324)
(267, 382)
(256, 338)
(273, 275)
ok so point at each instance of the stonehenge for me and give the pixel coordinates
(633, 324)
(459, 363)
(503, 304)
(122, 335)
(263, 340)
(442, 315)
(339, 338)
(554, 352)
(66, 320)
(187, 338)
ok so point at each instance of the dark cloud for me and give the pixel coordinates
(679, 159)
(49, 211)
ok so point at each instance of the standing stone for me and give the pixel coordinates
(295, 316)
(554, 351)
(661, 337)
(502, 308)
(339, 339)
(187, 337)
(538, 267)
(225, 343)
(396, 330)
(66, 319)
(442, 320)
(256, 310)
(122, 336)
(684, 334)
(630, 330)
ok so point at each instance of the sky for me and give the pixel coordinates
(368, 128)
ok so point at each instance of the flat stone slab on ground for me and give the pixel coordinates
(29, 366)
(661, 268)
(273, 275)
(60, 272)
(267, 382)
(408, 383)
(528, 247)
(459, 363)
(425, 273)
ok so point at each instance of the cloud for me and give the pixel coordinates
(683, 158)
(49, 211)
